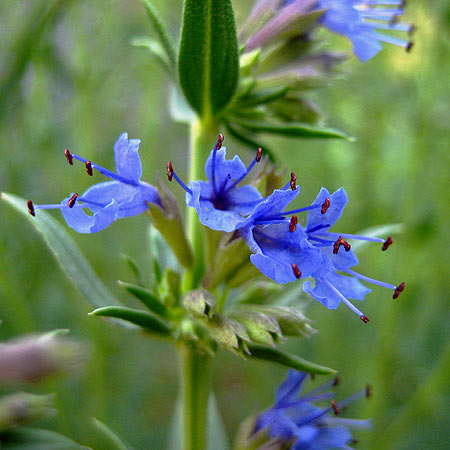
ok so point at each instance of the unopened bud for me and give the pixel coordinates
(30, 359)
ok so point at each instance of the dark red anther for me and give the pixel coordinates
(293, 224)
(387, 243)
(368, 391)
(336, 381)
(258, 154)
(313, 376)
(365, 319)
(341, 241)
(169, 171)
(68, 156)
(72, 200)
(293, 181)
(325, 206)
(296, 270)
(409, 46)
(220, 141)
(88, 165)
(335, 407)
(31, 208)
(398, 290)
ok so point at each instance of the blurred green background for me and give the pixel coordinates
(70, 78)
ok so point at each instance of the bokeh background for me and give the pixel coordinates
(70, 78)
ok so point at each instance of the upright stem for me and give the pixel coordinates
(196, 384)
(203, 137)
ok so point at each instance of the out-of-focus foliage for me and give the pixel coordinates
(70, 78)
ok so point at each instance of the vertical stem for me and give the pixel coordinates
(196, 381)
(203, 137)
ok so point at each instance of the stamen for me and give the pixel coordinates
(169, 171)
(31, 208)
(325, 206)
(296, 270)
(336, 381)
(68, 156)
(387, 243)
(368, 391)
(292, 183)
(220, 141)
(370, 280)
(88, 165)
(72, 200)
(338, 244)
(293, 224)
(258, 154)
(398, 290)
(346, 301)
(364, 318)
(313, 376)
(352, 236)
(409, 46)
(335, 407)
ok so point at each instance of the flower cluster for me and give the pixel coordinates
(358, 20)
(108, 201)
(283, 250)
(297, 419)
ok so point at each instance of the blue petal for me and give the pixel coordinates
(338, 200)
(333, 437)
(343, 260)
(323, 293)
(233, 217)
(275, 203)
(276, 249)
(306, 438)
(349, 287)
(84, 223)
(226, 170)
(278, 425)
(365, 47)
(290, 388)
(126, 154)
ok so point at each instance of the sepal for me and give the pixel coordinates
(169, 222)
(199, 302)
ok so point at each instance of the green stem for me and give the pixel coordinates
(196, 381)
(203, 137)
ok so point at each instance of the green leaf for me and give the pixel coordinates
(294, 129)
(66, 252)
(37, 439)
(287, 359)
(161, 30)
(217, 437)
(146, 297)
(378, 231)
(156, 49)
(208, 63)
(143, 319)
(114, 442)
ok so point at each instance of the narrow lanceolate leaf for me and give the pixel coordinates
(287, 359)
(147, 298)
(66, 252)
(162, 32)
(157, 50)
(37, 439)
(294, 129)
(143, 319)
(208, 63)
(115, 442)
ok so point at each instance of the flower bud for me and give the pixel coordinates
(32, 358)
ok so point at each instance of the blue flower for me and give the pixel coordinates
(332, 288)
(280, 246)
(125, 196)
(298, 419)
(358, 20)
(220, 204)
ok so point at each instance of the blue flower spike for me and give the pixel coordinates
(220, 204)
(108, 201)
(299, 419)
(359, 20)
(337, 255)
